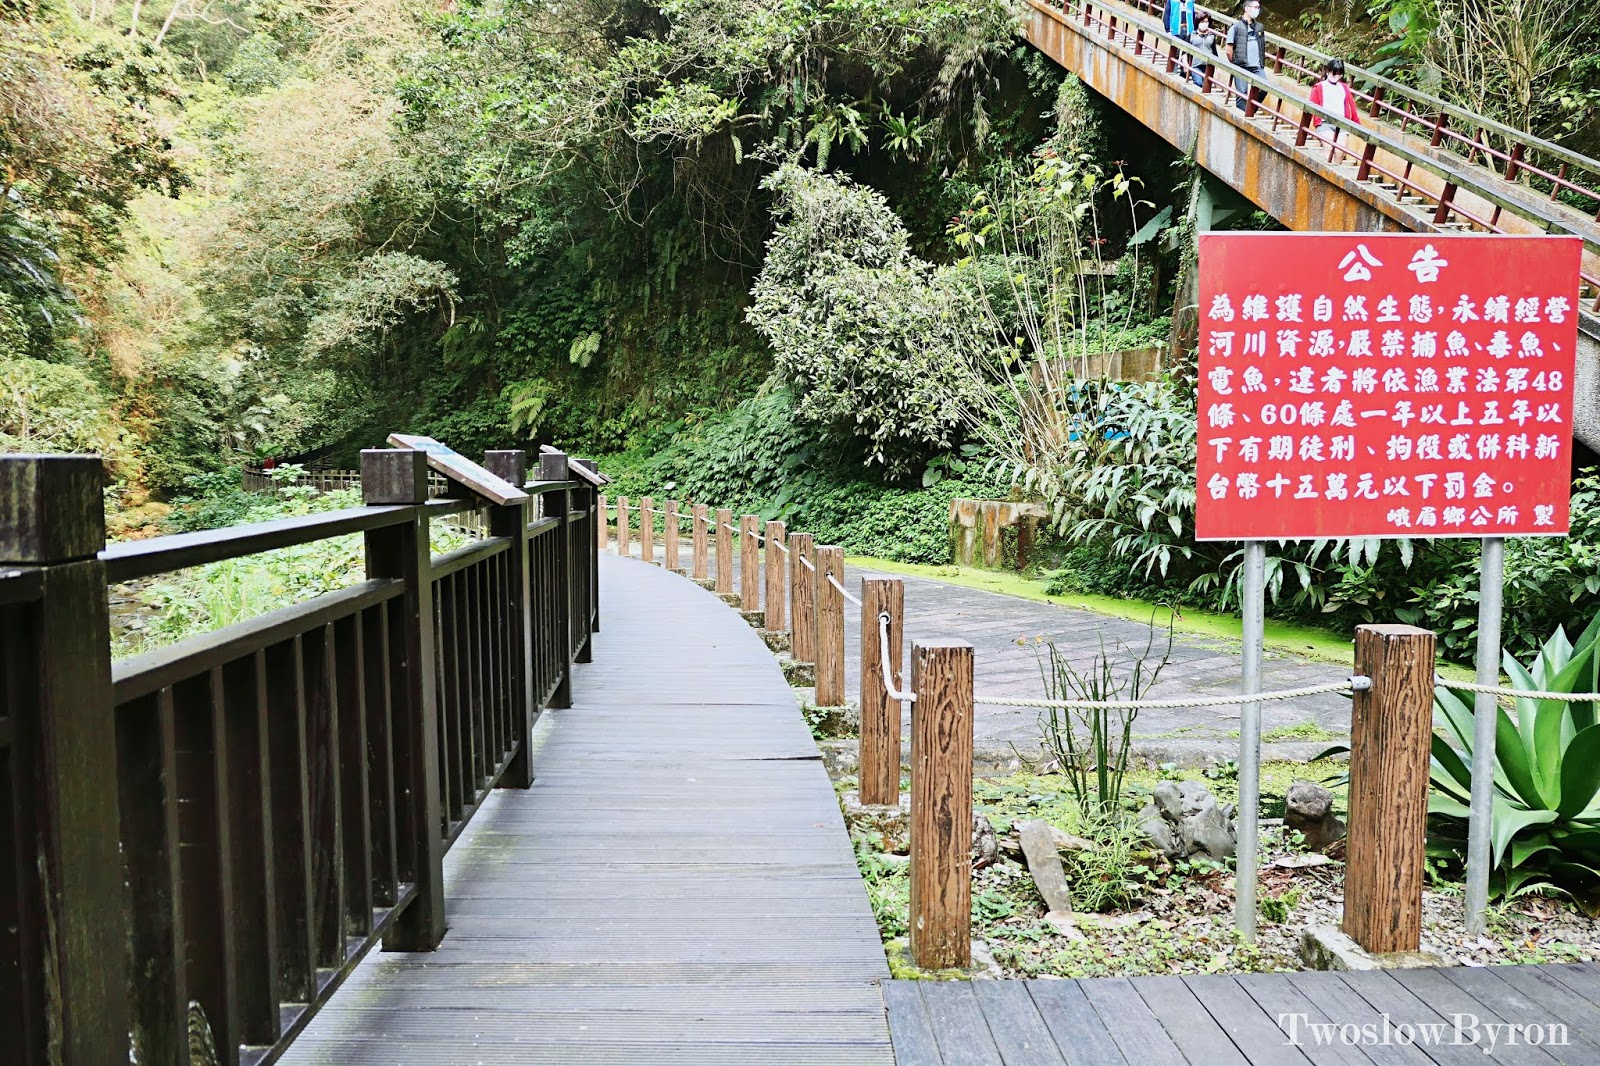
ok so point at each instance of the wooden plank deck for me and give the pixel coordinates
(677, 886)
(1245, 1020)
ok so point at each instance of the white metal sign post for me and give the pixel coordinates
(1252, 602)
(1491, 593)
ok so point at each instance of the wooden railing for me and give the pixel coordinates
(222, 829)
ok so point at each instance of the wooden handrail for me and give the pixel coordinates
(243, 815)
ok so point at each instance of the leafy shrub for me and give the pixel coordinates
(876, 343)
(1546, 804)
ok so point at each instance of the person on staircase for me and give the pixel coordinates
(1247, 49)
(1206, 38)
(1333, 94)
(1179, 20)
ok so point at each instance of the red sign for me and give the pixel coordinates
(1385, 385)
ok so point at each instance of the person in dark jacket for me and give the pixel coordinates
(1247, 49)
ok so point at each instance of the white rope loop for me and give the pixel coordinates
(809, 565)
(781, 546)
(883, 662)
(1348, 685)
(842, 590)
(1518, 693)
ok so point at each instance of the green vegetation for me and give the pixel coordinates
(1546, 804)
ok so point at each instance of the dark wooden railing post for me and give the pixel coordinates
(830, 627)
(1391, 734)
(669, 535)
(749, 564)
(69, 988)
(880, 715)
(776, 577)
(400, 476)
(553, 467)
(724, 537)
(587, 653)
(647, 529)
(802, 599)
(701, 569)
(512, 521)
(941, 805)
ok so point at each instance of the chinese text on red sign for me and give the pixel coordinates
(1385, 385)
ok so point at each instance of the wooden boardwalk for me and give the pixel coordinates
(676, 887)
(1255, 1019)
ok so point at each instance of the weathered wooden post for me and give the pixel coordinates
(700, 571)
(553, 467)
(512, 521)
(724, 550)
(1391, 734)
(647, 529)
(68, 916)
(776, 576)
(880, 715)
(400, 476)
(669, 535)
(623, 532)
(941, 805)
(830, 626)
(802, 599)
(990, 512)
(603, 522)
(749, 564)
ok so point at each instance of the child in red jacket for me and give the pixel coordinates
(1334, 94)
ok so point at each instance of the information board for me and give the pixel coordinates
(460, 469)
(1385, 385)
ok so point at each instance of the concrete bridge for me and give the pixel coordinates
(1415, 163)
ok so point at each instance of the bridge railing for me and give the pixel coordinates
(213, 834)
(1501, 150)
(1446, 188)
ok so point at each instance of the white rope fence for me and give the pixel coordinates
(1518, 693)
(883, 661)
(842, 590)
(809, 565)
(1348, 685)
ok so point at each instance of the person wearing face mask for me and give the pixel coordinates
(1334, 94)
(1247, 48)
(1204, 38)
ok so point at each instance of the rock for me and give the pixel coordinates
(1160, 833)
(755, 619)
(1065, 924)
(1065, 841)
(1309, 811)
(799, 674)
(777, 640)
(985, 848)
(1183, 817)
(1044, 864)
(1323, 947)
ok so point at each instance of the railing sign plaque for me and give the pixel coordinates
(1385, 385)
(460, 469)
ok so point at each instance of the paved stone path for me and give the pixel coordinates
(995, 624)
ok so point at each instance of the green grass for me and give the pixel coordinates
(1307, 641)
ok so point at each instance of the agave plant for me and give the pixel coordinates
(1546, 807)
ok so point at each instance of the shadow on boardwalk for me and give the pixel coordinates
(676, 887)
